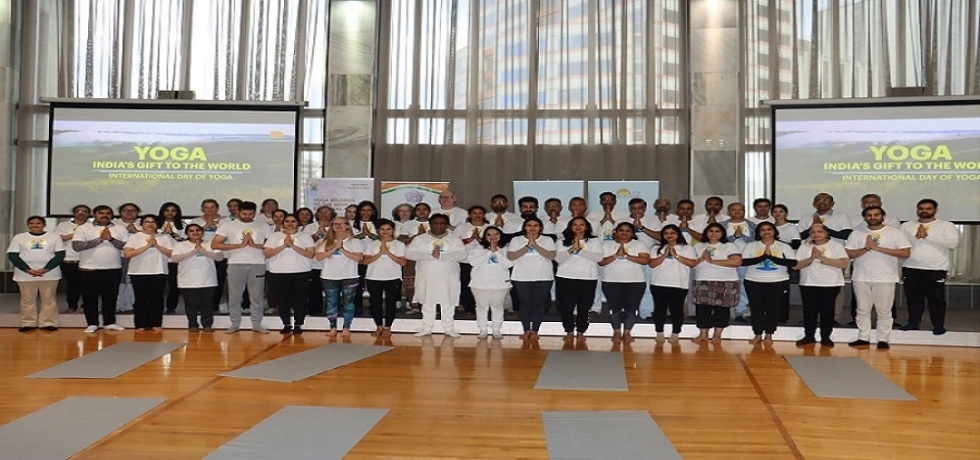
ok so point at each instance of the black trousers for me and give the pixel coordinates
(173, 294)
(315, 305)
(535, 301)
(384, 300)
(624, 301)
(98, 284)
(73, 283)
(922, 286)
(198, 301)
(148, 307)
(290, 289)
(221, 268)
(466, 299)
(359, 295)
(709, 316)
(766, 300)
(818, 303)
(664, 299)
(574, 298)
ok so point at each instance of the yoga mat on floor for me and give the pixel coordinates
(302, 432)
(605, 435)
(308, 363)
(829, 377)
(109, 362)
(583, 370)
(67, 427)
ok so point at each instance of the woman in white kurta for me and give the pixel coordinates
(437, 255)
(340, 253)
(148, 253)
(198, 277)
(489, 280)
(36, 256)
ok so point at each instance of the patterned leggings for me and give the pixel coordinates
(339, 293)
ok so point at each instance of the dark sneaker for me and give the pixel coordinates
(297, 330)
(938, 330)
(859, 343)
(286, 330)
(910, 327)
(26, 329)
(883, 346)
(827, 343)
(806, 341)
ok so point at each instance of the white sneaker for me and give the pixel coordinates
(231, 330)
(114, 327)
(452, 333)
(423, 333)
(498, 335)
(260, 329)
(91, 329)
(482, 334)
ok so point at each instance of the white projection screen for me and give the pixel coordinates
(904, 150)
(151, 152)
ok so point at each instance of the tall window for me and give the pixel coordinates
(513, 72)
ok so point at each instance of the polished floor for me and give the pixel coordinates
(471, 398)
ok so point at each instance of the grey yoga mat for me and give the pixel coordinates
(67, 427)
(308, 363)
(583, 370)
(829, 377)
(605, 435)
(109, 362)
(302, 432)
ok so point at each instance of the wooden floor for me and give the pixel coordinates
(467, 398)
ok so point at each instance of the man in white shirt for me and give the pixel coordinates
(838, 225)
(438, 254)
(875, 253)
(447, 205)
(607, 218)
(507, 222)
(762, 208)
(552, 210)
(712, 213)
(645, 228)
(741, 232)
(128, 219)
(925, 270)
(69, 266)
(868, 201)
(243, 241)
(99, 245)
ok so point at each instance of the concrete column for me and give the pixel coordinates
(714, 63)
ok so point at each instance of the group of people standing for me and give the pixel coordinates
(485, 261)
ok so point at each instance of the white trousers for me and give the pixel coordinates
(429, 315)
(879, 296)
(492, 300)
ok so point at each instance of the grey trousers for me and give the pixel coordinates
(240, 276)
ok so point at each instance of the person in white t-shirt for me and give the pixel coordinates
(624, 278)
(340, 253)
(647, 229)
(925, 270)
(717, 284)
(210, 220)
(447, 205)
(400, 215)
(489, 280)
(317, 230)
(365, 228)
(767, 278)
(409, 231)
(36, 256)
(69, 266)
(533, 274)
(763, 209)
(198, 277)
(99, 246)
(172, 225)
(384, 258)
(875, 253)
(578, 257)
(553, 219)
(670, 280)
(437, 254)
(148, 253)
(129, 218)
(243, 243)
(712, 213)
(740, 231)
(499, 217)
(868, 200)
(821, 264)
(470, 232)
(288, 254)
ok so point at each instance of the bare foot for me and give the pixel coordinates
(700, 338)
(345, 333)
(332, 332)
(755, 340)
(660, 337)
(569, 337)
(674, 338)
(768, 339)
(616, 337)
(526, 335)
(627, 336)
(581, 336)
(386, 332)
(376, 332)
(533, 335)
(716, 338)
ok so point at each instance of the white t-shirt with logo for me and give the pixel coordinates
(384, 269)
(622, 270)
(338, 266)
(583, 265)
(151, 261)
(104, 256)
(874, 266)
(197, 271)
(532, 266)
(931, 252)
(490, 269)
(36, 251)
(767, 271)
(818, 274)
(670, 272)
(288, 260)
(68, 228)
(234, 233)
(706, 271)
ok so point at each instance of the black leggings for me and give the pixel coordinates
(818, 301)
(709, 316)
(575, 298)
(766, 300)
(148, 308)
(535, 300)
(668, 298)
(290, 289)
(383, 308)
